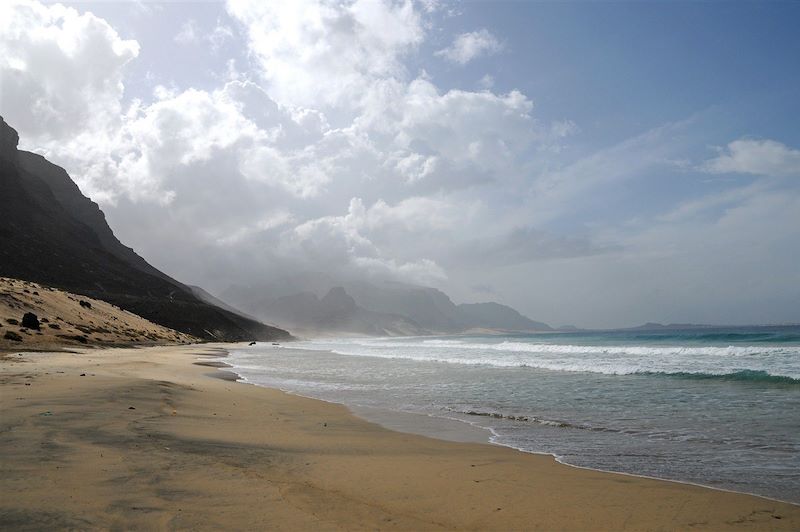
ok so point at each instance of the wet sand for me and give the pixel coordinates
(147, 439)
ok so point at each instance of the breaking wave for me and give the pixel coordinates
(764, 364)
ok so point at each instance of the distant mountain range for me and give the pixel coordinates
(314, 303)
(52, 234)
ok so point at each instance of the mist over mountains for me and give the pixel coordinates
(314, 303)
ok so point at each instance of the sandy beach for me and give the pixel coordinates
(148, 438)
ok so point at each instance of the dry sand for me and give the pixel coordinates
(146, 439)
(67, 322)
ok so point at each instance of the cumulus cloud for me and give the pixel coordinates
(469, 46)
(758, 157)
(263, 155)
(61, 70)
(144, 157)
(347, 242)
(324, 52)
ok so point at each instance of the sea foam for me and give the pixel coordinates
(778, 364)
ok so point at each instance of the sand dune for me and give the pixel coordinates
(67, 319)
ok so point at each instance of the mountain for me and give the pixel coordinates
(204, 295)
(335, 313)
(497, 316)
(52, 234)
(383, 307)
(429, 307)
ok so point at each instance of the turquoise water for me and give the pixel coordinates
(718, 407)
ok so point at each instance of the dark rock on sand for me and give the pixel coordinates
(11, 335)
(30, 320)
(84, 304)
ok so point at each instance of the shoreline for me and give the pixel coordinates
(393, 420)
(146, 438)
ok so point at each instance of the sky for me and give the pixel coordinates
(589, 163)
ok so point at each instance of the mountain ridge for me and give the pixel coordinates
(417, 309)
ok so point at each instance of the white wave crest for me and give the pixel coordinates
(781, 361)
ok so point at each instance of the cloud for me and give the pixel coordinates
(486, 82)
(235, 236)
(469, 46)
(324, 52)
(757, 157)
(275, 172)
(221, 34)
(343, 243)
(521, 245)
(423, 163)
(144, 157)
(561, 191)
(61, 70)
(189, 33)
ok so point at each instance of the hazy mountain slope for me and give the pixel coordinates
(497, 316)
(204, 295)
(52, 234)
(295, 301)
(335, 312)
(429, 307)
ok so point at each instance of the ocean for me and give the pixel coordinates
(718, 407)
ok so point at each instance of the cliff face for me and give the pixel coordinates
(52, 234)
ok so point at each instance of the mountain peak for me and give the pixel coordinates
(337, 299)
(9, 139)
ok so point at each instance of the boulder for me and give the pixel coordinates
(30, 321)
